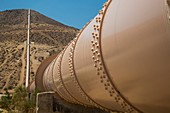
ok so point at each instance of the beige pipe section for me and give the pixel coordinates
(40, 71)
(31, 87)
(119, 61)
(137, 52)
(50, 77)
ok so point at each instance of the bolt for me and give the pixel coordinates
(98, 54)
(96, 51)
(105, 88)
(84, 27)
(75, 39)
(100, 63)
(113, 91)
(97, 37)
(107, 84)
(101, 76)
(73, 45)
(95, 65)
(96, 42)
(107, 80)
(96, 34)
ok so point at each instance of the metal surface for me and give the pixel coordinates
(40, 71)
(28, 52)
(50, 77)
(138, 54)
(31, 87)
(119, 61)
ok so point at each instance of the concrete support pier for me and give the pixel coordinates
(49, 102)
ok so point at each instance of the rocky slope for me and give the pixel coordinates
(49, 37)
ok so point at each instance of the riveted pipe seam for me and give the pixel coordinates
(129, 107)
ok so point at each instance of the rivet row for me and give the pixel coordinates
(98, 64)
(71, 68)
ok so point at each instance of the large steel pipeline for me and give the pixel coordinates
(119, 61)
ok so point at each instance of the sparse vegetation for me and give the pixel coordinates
(6, 101)
(19, 101)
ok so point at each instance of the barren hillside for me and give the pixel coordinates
(49, 37)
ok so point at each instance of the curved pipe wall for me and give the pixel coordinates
(119, 61)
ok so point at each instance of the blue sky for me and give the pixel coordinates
(75, 13)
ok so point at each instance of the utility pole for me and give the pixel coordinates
(28, 52)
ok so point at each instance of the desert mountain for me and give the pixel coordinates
(13, 26)
(48, 35)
